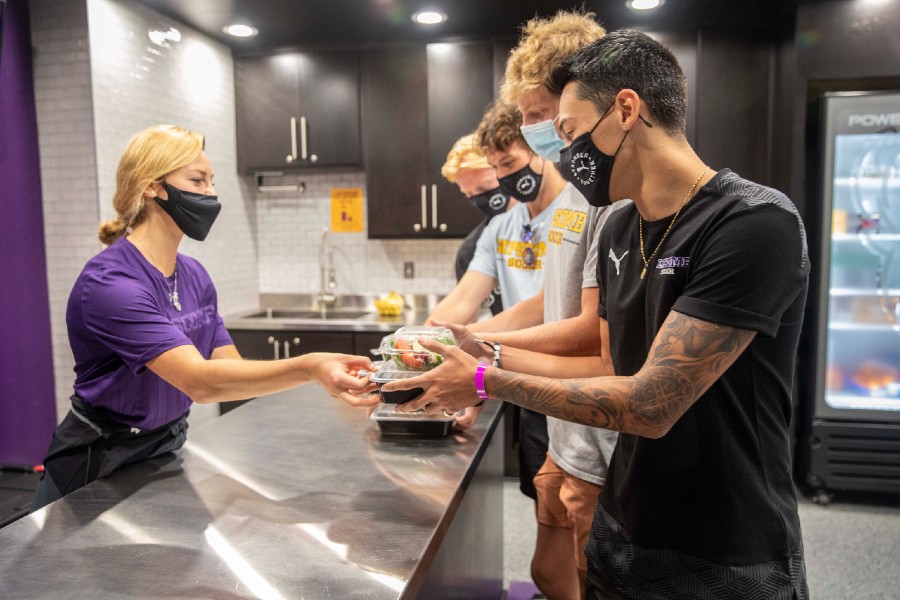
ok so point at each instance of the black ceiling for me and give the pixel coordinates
(290, 23)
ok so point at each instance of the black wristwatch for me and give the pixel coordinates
(496, 348)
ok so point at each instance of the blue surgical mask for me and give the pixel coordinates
(543, 139)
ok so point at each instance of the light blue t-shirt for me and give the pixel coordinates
(501, 252)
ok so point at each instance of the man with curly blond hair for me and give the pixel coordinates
(574, 468)
(545, 42)
(511, 251)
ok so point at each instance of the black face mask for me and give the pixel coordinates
(523, 185)
(193, 213)
(492, 202)
(588, 169)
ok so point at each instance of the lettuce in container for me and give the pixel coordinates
(403, 349)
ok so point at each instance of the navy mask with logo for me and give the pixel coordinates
(193, 213)
(523, 185)
(588, 169)
(492, 202)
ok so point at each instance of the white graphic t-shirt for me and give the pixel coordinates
(571, 265)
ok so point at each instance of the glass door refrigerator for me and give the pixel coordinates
(853, 428)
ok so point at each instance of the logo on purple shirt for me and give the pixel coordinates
(667, 266)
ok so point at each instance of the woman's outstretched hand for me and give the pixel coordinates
(339, 375)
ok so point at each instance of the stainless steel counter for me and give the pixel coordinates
(292, 496)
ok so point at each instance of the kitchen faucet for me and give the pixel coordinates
(326, 297)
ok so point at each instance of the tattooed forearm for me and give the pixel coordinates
(587, 401)
(700, 351)
(687, 356)
(658, 398)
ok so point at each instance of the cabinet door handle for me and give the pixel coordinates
(276, 345)
(287, 346)
(424, 208)
(293, 155)
(303, 152)
(434, 219)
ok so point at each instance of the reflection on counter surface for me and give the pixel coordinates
(293, 496)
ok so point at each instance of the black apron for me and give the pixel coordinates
(89, 445)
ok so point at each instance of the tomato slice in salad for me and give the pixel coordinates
(409, 358)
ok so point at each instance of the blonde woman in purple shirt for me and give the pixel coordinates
(145, 329)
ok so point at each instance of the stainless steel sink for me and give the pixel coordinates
(350, 312)
(327, 313)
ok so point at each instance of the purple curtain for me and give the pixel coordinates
(27, 402)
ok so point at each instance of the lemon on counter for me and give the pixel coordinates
(390, 306)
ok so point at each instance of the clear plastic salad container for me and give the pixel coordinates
(402, 348)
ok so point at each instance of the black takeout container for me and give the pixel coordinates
(387, 374)
(415, 424)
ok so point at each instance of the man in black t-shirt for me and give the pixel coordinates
(703, 278)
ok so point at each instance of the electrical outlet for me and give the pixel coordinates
(409, 270)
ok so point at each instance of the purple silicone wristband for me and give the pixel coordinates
(479, 382)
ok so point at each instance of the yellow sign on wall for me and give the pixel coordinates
(346, 210)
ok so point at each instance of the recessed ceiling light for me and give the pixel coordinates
(429, 17)
(644, 4)
(241, 31)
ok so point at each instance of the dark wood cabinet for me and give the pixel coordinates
(365, 342)
(394, 109)
(259, 344)
(298, 109)
(283, 343)
(416, 102)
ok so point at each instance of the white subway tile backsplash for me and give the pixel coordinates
(290, 232)
(68, 171)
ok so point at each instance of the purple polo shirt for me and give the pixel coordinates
(120, 316)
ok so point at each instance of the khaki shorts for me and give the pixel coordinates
(568, 502)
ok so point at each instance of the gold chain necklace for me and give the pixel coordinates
(668, 229)
(173, 293)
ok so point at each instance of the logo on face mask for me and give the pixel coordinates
(526, 185)
(497, 201)
(583, 168)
